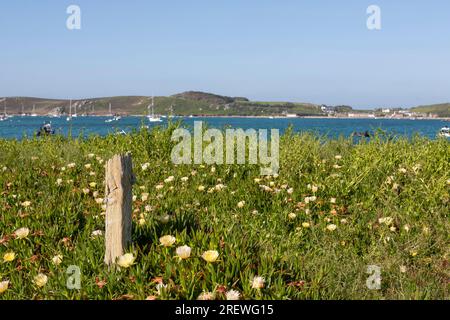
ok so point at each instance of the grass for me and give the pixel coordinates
(405, 180)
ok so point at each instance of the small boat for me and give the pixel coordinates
(46, 130)
(116, 117)
(152, 117)
(34, 114)
(69, 118)
(444, 132)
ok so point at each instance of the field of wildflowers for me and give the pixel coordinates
(224, 232)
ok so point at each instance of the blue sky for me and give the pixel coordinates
(316, 51)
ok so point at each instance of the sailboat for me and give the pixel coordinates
(5, 115)
(69, 118)
(23, 112)
(75, 112)
(152, 117)
(34, 111)
(115, 117)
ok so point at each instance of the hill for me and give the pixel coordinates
(441, 110)
(187, 103)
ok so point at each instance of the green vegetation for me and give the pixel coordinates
(441, 110)
(184, 104)
(311, 232)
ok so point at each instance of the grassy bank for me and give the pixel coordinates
(311, 232)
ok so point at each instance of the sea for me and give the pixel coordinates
(19, 127)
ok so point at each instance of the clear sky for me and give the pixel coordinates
(316, 51)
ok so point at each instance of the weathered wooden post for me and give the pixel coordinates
(118, 195)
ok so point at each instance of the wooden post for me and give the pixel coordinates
(118, 195)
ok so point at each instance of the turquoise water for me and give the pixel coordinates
(18, 127)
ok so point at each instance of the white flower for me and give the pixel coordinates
(96, 233)
(201, 188)
(406, 228)
(91, 155)
(333, 200)
(22, 233)
(59, 181)
(387, 220)
(241, 204)
(126, 260)
(40, 280)
(57, 259)
(258, 282)
(144, 196)
(290, 191)
(402, 170)
(184, 179)
(167, 241)
(314, 189)
(169, 179)
(159, 186)
(183, 252)
(86, 190)
(88, 166)
(233, 295)
(71, 165)
(331, 227)
(206, 296)
(292, 215)
(338, 157)
(145, 166)
(403, 269)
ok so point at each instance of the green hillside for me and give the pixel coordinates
(442, 110)
(187, 103)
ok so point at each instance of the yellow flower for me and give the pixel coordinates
(331, 227)
(258, 282)
(141, 221)
(4, 286)
(22, 233)
(93, 184)
(338, 157)
(40, 280)
(167, 241)
(9, 256)
(183, 252)
(144, 196)
(57, 259)
(210, 255)
(26, 204)
(88, 166)
(413, 253)
(201, 188)
(306, 225)
(126, 260)
(292, 216)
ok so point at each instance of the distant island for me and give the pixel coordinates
(195, 103)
